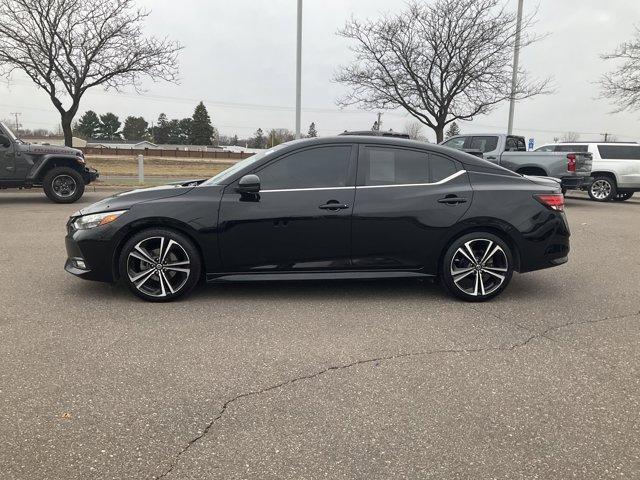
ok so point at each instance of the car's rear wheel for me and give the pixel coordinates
(477, 266)
(602, 189)
(623, 196)
(160, 265)
(63, 185)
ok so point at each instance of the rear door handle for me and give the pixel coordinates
(333, 205)
(452, 200)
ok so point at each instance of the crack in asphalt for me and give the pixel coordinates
(345, 366)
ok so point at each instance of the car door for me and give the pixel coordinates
(7, 161)
(300, 220)
(405, 201)
(624, 161)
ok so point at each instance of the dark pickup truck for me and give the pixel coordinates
(60, 171)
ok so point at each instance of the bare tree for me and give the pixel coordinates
(622, 85)
(441, 61)
(570, 137)
(414, 130)
(67, 47)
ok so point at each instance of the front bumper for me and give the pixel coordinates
(90, 253)
(90, 175)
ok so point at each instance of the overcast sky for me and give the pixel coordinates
(239, 57)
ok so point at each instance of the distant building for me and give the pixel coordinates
(147, 145)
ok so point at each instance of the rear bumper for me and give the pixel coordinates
(547, 245)
(575, 182)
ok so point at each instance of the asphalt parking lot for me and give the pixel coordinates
(385, 379)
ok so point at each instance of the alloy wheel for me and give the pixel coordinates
(64, 186)
(601, 189)
(479, 267)
(158, 267)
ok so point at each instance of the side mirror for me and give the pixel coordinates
(249, 184)
(4, 141)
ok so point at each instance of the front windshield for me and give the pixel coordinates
(220, 178)
(9, 131)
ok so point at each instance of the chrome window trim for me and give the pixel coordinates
(307, 189)
(444, 180)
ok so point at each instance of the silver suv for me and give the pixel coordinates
(615, 170)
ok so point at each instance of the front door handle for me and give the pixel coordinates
(333, 205)
(452, 200)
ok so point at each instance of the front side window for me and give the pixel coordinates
(457, 143)
(484, 144)
(394, 166)
(320, 167)
(619, 152)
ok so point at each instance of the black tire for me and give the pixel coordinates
(623, 196)
(160, 283)
(490, 275)
(603, 188)
(63, 185)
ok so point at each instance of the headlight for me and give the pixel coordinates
(95, 220)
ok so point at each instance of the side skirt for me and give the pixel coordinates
(335, 275)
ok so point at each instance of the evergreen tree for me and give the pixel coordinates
(259, 140)
(88, 125)
(135, 128)
(453, 130)
(173, 136)
(234, 140)
(185, 128)
(201, 130)
(161, 131)
(312, 130)
(109, 127)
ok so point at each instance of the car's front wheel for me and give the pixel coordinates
(602, 189)
(477, 266)
(160, 265)
(63, 185)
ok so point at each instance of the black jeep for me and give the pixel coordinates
(61, 171)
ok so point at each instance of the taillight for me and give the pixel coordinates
(571, 162)
(554, 201)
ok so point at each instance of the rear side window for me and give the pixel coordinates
(484, 144)
(619, 152)
(395, 166)
(319, 167)
(572, 148)
(515, 144)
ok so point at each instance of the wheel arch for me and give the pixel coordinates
(498, 229)
(50, 163)
(165, 223)
(605, 173)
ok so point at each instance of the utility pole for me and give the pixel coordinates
(379, 121)
(16, 115)
(299, 71)
(514, 75)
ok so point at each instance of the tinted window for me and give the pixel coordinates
(484, 144)
(572, 148)
(441, 167)
(457, 143)
(313, 168)
(515, 144)
(619, 152)
(391, 166)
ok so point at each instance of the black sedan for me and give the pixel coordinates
(342, 207)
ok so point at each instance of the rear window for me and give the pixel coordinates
(619, 152)
(484, 144)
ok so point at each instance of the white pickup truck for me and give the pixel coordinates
(615, 170)
(573, 169)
